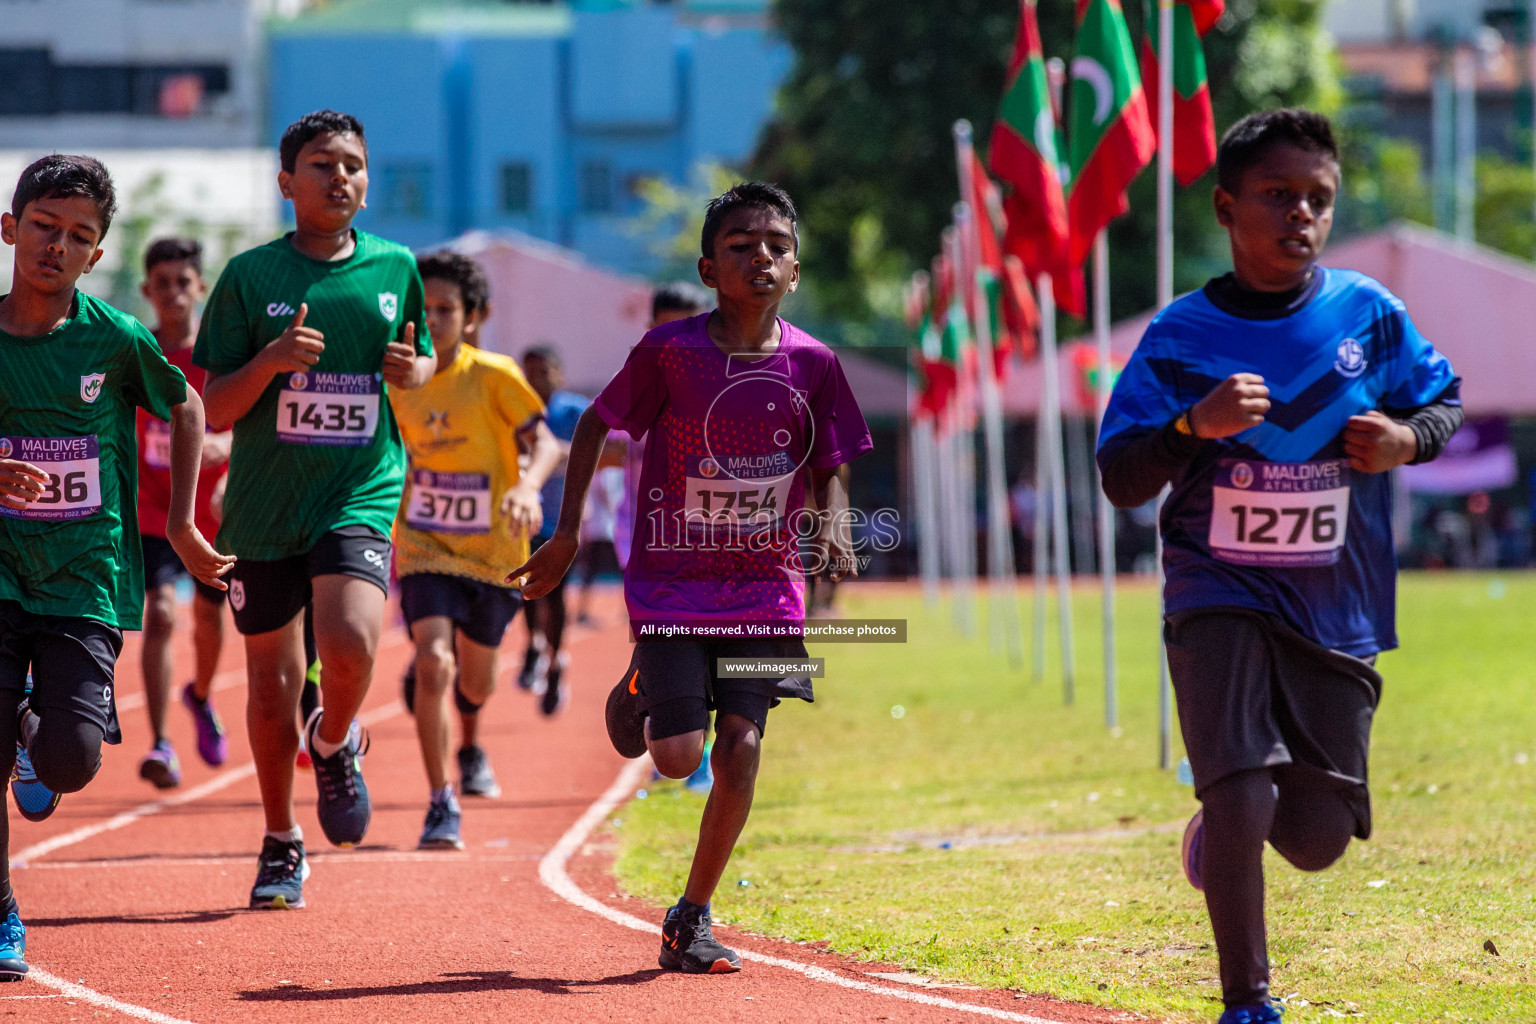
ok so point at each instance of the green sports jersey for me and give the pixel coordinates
(67, 402)
(318, 450)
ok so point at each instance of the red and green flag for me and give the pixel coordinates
(1025, 152)
(1109, 131)
(1194, 123)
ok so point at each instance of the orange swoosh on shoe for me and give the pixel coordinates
(633, 676)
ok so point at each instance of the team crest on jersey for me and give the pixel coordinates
(389, 304)
(90, 386)
(298, 381)
(1242, 475)
(1351, 359)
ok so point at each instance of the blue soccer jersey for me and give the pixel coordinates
(1273, 518)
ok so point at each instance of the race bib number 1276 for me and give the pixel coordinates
(1279, 514)
(328, 408)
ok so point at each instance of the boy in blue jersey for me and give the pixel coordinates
(1273, 401)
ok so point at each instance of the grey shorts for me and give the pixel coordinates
(1253, 693)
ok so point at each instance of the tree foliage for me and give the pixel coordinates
(862, 139)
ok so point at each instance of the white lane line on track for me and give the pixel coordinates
(213, 785)
(553, 874)
(90, 995)
(318, 857)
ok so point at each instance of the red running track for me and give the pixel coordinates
(135, 900)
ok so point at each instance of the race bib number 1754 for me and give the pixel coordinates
(328, 408)
(1279, 514)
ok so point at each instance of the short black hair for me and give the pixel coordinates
(58, 176)
(1246, 142)
(458, 269)
(747, 194)
(311, 125)
(544, 352)
(679, 297)
(169, 250)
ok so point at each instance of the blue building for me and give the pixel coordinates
(541, 117)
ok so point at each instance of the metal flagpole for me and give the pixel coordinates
(923, 466)
(1106, 510)
(1047, 299)
(1530, 19)
(1164, 297)
(1466, 143)
(1058, 476)
(1003, 611)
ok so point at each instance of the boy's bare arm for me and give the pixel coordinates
(521, 504)
(201, 560)
(229, 396)
(834, 538)
(548, 566)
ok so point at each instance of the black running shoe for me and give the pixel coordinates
(626, 723)
(555, 694)
(343, 808)
(475, 775)
(688, 944)
(280, 878)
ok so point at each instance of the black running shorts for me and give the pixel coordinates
(162, 567)
(482, 611)
(1254, 693)
(267, 595)
(72, 663)
(678, 685)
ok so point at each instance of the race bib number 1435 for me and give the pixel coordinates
(328, 408)
(1280, 514)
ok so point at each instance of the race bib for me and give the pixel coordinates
(157, 444)
(449, 502)
(1281, 514)
(328, 408)
(73, 465)
(750, 491)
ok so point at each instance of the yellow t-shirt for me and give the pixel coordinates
(460, 432)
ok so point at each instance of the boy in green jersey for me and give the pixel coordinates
(300, 338)
(71, 569)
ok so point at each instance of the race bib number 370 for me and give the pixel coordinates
(73, 465)
(449, 502)
(1281, 514)
(328, 408)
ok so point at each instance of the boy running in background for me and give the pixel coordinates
(742, 411)
(466, 510)
(544, 662)
(71, 571)
(302, 338)
(173, 284)
(1274, 400)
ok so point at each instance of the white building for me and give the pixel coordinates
(1396, 21)
(116, 74)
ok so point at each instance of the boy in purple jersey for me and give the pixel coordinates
(739, 410)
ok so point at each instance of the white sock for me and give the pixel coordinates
(320, 748)
(293, 835)
(444, 794)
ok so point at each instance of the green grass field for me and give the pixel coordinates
(1060, 874)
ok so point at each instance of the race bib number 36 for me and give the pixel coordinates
(328, 408)
(73, 465)
(745, 491)
(449, 502)
(1281, 514)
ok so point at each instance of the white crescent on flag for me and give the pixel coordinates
(1091, 71)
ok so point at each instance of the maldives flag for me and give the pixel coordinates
(1110, 134)
(1025, 152)
(1194, 124)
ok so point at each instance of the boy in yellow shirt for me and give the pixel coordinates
(466, 511)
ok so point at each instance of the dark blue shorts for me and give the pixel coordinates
(480, 610)
(72, 663)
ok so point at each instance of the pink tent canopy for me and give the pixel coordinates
(1478, 306)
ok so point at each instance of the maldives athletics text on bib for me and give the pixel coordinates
(73, 465)
(449, 502)
(748, 492)
(329, 408)
(1281, 514)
